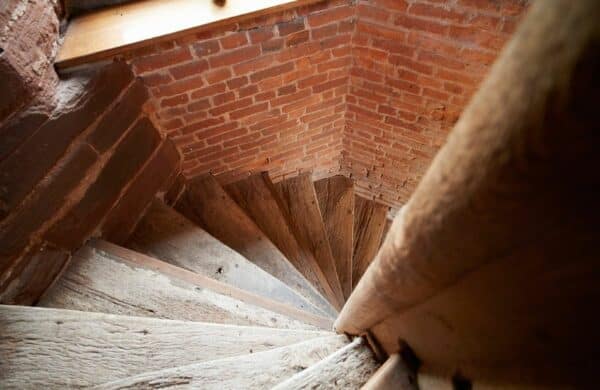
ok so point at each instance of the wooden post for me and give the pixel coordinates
(519, 170)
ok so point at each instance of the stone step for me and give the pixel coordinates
(60, 348)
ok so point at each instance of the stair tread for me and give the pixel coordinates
(336, 201)
(348, 368)
(369, 223)
(165, 234)
(206, 203)
(107, 278)
(256, 371)
(60, 348)
(300, 200)
(258, 197)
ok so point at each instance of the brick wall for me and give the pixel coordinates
(415, 65)
(370, 88)
(268, 94)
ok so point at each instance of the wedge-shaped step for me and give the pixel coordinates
(348, 368)
(300, 201)
(253, 371)
(206, 203)
(165, 234)
(55, 348)
(369, 224)
(106, 278)
(336, 201)
(258, 197)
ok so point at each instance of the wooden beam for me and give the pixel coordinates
(114, 30)
(491, 267)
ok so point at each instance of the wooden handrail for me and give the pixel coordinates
(514, 176)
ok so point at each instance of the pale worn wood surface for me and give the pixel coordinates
(348, 368)
(336, 201)
(394, 374)
(111, 31)
(253, 371)
(491, 268)
(300, 201)
(369, 224)
(257, 196)
(165, 234)
(64, 348)
(102, 282)
(206, 203)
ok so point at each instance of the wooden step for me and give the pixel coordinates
(165, 234)
(260, 370)
(257, 196)
(206, 203)
(348, 368)
(59, 348)
(300, 201)
(106, 278)
(369, 224)
(336, 201)
(394, 374)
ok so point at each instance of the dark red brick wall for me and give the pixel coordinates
(369, 88)
(415, 66)
(268, 94)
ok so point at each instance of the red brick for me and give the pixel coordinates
(420, 24)
(230, 106)
(180, 86)
(272, 72)
(174, 101)
(272, 45)
(248, 111)
(234, 40)
(189, 69)
(325, 31)
(194, 127)
(287, 28)
(254, 65)
(330, 15)
(223, 98)
(237, 82)
(330, 84)
(247, 91)
(437, 12)
(297, 38)
(412, 65)
(264, 96)
(440, 60)
(206, 48)
(286, 90)
(235, 56)
(261, 34)
(156, 79)
(218, 75)
(380, 31)
(198, 105)
(208, 91)
(162, 60)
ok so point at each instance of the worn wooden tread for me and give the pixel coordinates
(300, 201)
(165, 234)
(60, 348)
(206, 203)
(257, 196)
(253, 371)
(348, 368)
(394, 374)
(370, 219)
(336, 202)
(106, 278)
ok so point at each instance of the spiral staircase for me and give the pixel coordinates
(231, 287)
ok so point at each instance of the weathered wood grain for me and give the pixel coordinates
(104, 282)
(336, 201)
(63, 348)
(348, 368)
(257, 196)
(300, 201)
(394, 374)
(253, 371)
(369, 225)
(206, 203)
(165, 234)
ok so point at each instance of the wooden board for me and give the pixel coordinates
(369, 224)
(64, 348)
(348, 368)
(109, 279)
(260, 370)
(165, 234)
(300, 200)
(105, 33)
(258, 197)
(394, 374)
(206, 203)
(336, 201)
